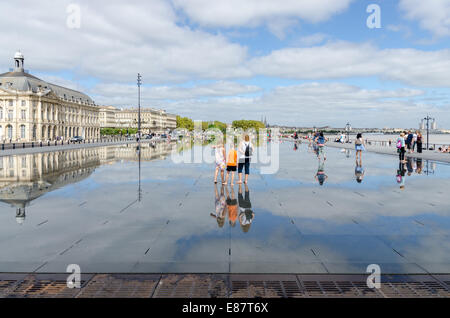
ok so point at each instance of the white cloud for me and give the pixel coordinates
(126, 94)
(432, 15)
(116, 40)
(344, 59)
(312, 39)
(233, 13)
(318, 103)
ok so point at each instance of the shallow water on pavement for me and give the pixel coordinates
(96, 208)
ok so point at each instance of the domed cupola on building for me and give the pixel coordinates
(19, 62)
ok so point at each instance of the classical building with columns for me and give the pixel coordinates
(34, 110)
(152, 120)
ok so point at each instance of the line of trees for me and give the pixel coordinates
(117, 131)
(187, 123)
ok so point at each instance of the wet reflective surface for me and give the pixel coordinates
(90, 207)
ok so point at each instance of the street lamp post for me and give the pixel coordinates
(427, 119)
(139, 82)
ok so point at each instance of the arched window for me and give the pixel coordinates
(34, 132)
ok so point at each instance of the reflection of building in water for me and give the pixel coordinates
(24, 178)
(149, 152)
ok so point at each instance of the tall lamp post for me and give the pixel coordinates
(139, 82)
(348, 127)
(428, 119)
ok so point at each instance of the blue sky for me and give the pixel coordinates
(295, 62)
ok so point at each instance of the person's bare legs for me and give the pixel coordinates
(246, 179)
(222, 174)
(240, 178)
(216, 174)
(226, 178)
(232, 178)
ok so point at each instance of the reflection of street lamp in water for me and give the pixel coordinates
(348, 128)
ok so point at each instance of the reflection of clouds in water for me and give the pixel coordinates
(365, 204)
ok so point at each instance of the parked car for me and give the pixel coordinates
(75, 139)
(148, 137)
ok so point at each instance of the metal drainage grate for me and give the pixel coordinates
(191, 286)
(268, 286)
(120, 286)
(42, 288)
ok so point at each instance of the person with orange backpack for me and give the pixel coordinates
(231, 164)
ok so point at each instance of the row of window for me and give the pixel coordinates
(9, 132)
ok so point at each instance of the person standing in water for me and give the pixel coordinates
(419, 141)
(321, 140)
(220, 161)
(245, 154)
(401, 147)
(359, 147)
(231, 164)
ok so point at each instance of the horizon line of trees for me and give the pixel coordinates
(188, 123)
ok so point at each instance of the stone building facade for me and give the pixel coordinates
(34, 110)
(152, 120)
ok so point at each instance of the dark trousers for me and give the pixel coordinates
(419, 147)
(245, 165)
(401, 154)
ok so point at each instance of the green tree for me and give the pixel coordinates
(185, 122)
(246, 124)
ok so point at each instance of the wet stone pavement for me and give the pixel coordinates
(113, 213)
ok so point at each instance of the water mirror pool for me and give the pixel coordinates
(111, 210)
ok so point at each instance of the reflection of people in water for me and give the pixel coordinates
(359, 171)
(220, 207)
(321, 177)
(246, 214)
(419, 166)
(410, 165)
(232, 206)
(401, 175)
(295, 146)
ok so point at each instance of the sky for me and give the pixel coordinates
(294, 62)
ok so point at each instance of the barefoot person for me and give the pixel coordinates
(220, 161)
(231, 164)
(401, 147)
(321, 140)
(359, 146)
(245, 153)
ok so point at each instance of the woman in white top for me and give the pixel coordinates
(245, 152)
(220, 161)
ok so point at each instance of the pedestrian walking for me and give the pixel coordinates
(401, 147)
(359, 146)
(320, 141)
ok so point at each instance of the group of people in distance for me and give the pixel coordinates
(230, 162)
(409, 141)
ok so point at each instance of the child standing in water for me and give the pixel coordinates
(220, 161)
(231, 164)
